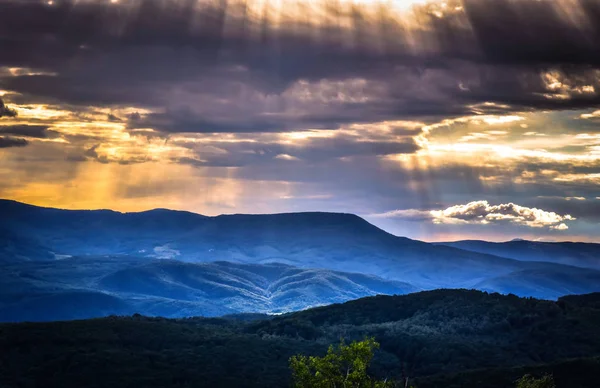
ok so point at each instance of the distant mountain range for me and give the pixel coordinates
(62, 264)
(570, 253)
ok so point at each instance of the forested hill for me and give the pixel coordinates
(440, 338)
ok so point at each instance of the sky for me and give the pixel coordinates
(437, 120)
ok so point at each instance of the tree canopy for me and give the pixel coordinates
(344, 366)
(528, 381)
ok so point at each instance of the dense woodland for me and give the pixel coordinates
(444, 338)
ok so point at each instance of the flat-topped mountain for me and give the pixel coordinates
(342, 242)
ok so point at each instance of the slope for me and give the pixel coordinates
(39, 291)
(584, 255)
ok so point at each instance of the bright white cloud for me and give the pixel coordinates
(593, 115)
(286, 157)
(562, 226)
(481, 212)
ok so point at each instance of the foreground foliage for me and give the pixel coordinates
(529, 381)
(344, 366)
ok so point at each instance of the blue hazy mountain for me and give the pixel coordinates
(174, 263)
(570, 253)
(341, 242)
(84, 287)
(550, 283)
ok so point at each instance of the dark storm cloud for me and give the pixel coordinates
(35, 131)
(498, 31)
(313, 151)
(113, 118)
(181, 122)
(6, 111)
(536, 32)
(337, 115)
(137, 52)
(8, 142)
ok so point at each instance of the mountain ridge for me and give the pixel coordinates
(580, 254)
(149, 249)
(342, 242)
(10, 202)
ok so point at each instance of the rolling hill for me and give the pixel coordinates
(86, 287)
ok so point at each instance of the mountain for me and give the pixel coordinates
(175, 264)
(86, 287)
(584, 255)
(442, 338)
(341, 242)
(550, 283)
(62, 305)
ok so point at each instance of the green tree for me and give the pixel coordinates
(344, 366)
(529, 381)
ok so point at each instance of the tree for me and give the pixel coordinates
(344, 366)
(528, 381)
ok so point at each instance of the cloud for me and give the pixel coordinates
(286, 157)
(481, 212)
(34, 131)
(6, 111)
(592, 115)
(406, 214)
(229, 86)
(8, 142)
(351, 64)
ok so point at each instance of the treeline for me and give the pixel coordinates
(446, 338)
(446, 331)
